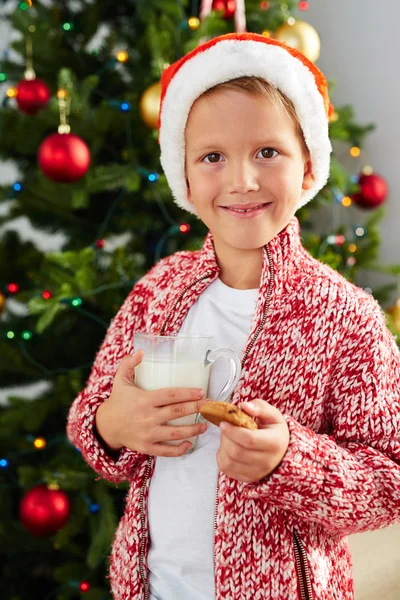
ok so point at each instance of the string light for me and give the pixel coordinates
(10, 335)
(184, 228)
(3, 77)
(291, 21)
(53, 486)
(94, 508)
(11, 92)
(355, 151)
(13, 288)
(17, 187)
(266, 33)
(125, 106)
(4, 463)
(303, 5)
(47, 294)
(122, 56)
(347, 201)
(84, 586)
(367, 170)
(360, 231)
(351, 261)
(194, 23)
(68, 26)
(100, 243)
(40, 443)
(153, 177)
(26, 335)
(352, 248)
(264, 5)
(76, 302)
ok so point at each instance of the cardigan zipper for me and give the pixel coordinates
(246, 354)
(303, 569)
(151, 458)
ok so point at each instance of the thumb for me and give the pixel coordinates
(265, 413)
(126, 369)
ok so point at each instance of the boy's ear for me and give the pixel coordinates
(309, 177)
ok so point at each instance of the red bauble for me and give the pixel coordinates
(64, 157)
(228, 6)
(32, 95)
(373, 191)
(43, 511)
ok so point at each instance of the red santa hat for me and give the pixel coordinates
(235, 55)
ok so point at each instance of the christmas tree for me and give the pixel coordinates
(80, 120)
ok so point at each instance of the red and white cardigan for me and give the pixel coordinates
(322, 354)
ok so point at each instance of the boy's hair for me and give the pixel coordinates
(257, 86)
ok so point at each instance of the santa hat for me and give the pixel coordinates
(235, 55)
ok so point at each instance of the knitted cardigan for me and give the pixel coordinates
(322, 354)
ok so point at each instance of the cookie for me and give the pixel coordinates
(215, 412)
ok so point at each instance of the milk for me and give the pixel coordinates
(157, 374)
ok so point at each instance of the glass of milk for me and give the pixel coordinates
(182, 361)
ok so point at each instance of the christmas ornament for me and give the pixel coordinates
(32, 93)
(64, 157)
(373, 191)
(2, 302)
(43, 511)
(302, 36)
(231, 8)
(394, 311)
(228, 6)
(150, 105)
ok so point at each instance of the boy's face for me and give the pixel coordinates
(243, 149)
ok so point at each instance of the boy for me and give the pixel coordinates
(261, 514)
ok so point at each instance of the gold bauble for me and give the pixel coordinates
(150, 105)
(302, 36)
(395, 313)
(2, 302)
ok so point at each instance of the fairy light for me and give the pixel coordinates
(3, 77)
(26, 335)
(53, 486)
(266, 33)
(291, 21)
(4, 463)
(17, 187)
(360, 231)
(125, 106)
(122, 56)
(367, 170)
(68, 26)
(352, 248)
(303, 5)
(347, 201)
(40, 443)
(194, 23)
(351, 261)
(355, 151)
(264, 5)
(10, 335)
(47, 295)
(11, 92)
(184, 228)
(76, 302)
(13, 288)
(84, 586)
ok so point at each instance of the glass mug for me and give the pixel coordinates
(182, 361)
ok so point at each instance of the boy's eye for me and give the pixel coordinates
(268, 152)
(213, 154)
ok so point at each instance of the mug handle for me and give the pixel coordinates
(234, 376)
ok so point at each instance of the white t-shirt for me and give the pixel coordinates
(182, 490)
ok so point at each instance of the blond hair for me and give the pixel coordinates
(258, 86)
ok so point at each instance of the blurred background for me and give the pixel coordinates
(85, 211)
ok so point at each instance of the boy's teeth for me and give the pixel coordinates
(245, 210)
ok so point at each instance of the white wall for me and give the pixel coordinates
(360, 49)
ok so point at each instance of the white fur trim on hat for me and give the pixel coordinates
(226, 60)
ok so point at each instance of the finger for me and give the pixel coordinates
(237, 455)
(167, 433)
(126, 369)
(175, 411)
(166, 396)
(169, 451)
(250, 439)
(265, 413)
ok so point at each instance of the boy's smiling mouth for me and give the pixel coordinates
(246, 210)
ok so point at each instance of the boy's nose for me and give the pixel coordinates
(243, 178)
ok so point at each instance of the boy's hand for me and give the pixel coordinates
(135, 418)
(248, 455)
